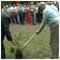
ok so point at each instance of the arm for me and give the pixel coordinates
(5, 24)
(44, 21)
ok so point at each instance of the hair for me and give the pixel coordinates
(31, 3)
(41, 4)
(27, 4)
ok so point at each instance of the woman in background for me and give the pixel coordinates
(27, 15)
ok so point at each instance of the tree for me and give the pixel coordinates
(5, 2)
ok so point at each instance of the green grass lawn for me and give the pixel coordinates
(37, 48)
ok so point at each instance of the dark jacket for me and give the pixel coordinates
(5, 21)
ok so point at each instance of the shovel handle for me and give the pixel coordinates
(29, 40)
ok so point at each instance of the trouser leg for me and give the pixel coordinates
(35, 18)
(13, 20)
(2, 48)
(32, 18)
(54, 42)
(2, 51)
(22, 18)
(16, 19)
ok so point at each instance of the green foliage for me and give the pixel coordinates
(5, 3)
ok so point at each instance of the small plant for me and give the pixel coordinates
(12, 49)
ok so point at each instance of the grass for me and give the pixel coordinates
(37, 48)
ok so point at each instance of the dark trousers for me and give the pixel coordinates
(15, 20)
(2, 51)
(39, 17)
(2, 48)
(22, 17)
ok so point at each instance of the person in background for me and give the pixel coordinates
(6, 8)
(56, 3)
(51, 16)
(36, 12)
(17, 9)
(39, 15)
(27, 15)
(10, 7)
(32, 9)
(15, 19)
(21, 14)
(14, 6)
(5, 22)
(3, 9)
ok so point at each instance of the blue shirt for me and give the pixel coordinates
(50, 16)
(21, 9)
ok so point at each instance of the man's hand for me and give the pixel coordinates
(12, 41)
(38, 31)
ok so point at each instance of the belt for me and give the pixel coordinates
(55, 24)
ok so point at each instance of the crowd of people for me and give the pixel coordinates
(26, 13)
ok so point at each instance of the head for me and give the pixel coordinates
(12, 13)
(26, 5)
(42, 6)
(21, 5)
(31, 3)
(9, 5)
(18, 4)
(6, 6)
(13, 5)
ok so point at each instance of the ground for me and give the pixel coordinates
(37, 48)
